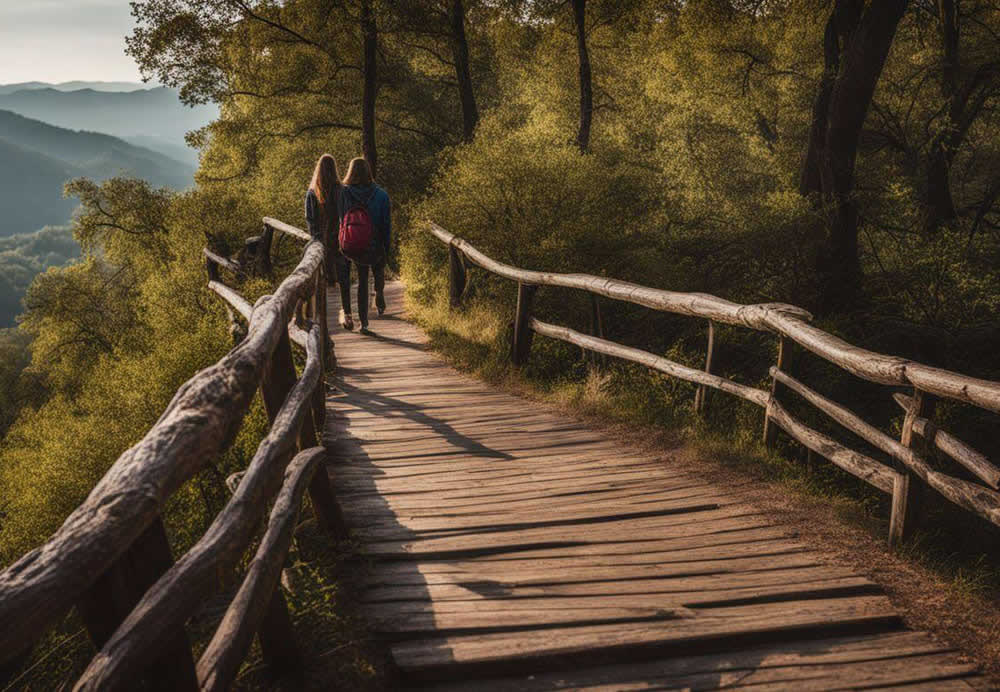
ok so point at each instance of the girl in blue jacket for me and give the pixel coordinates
(359, 188)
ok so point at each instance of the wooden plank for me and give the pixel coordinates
(881, 660)
(720, 587)
(502, 537)
(531, 651)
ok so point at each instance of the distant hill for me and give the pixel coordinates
(73, 86)
(38, 158)
(182, 153)
(31, 189)
(153, 112)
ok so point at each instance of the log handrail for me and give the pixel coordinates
(791, 324)
(786, 320)
(221, 660)
(176, 596)
(199, 423)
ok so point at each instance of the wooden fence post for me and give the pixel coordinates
(907, 492)
(236, 331)
(521, 343)
(770, 429)
(701, 394)
(596, 327)
(329, 355)
(277, 636)
(456, 274)
(264, 265)
(116, 592)
(279, 378)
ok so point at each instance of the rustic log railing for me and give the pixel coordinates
(792, 326)
(111, 560)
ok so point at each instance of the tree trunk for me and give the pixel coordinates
(370, 73)
(861, 65)
(940, 206)
(586, 86)
(460, 56)
(839, 28)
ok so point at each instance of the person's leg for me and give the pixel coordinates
(344, 279)
(379, 272)
(363, 295)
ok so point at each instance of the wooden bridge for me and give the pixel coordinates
(510, 547)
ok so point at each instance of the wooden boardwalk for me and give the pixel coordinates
(514, 548)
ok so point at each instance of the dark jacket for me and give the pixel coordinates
(379, 208)
(322, 226)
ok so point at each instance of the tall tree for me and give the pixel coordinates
(965, 90)
(369, 69)
(463, 72)
(586, 81)
(864, 42)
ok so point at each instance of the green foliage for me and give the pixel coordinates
(24, 256)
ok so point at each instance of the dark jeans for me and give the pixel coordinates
(344, 279)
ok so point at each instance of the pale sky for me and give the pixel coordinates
(65, 40)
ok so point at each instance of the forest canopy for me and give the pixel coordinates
(843, 156)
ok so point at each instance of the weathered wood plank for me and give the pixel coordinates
(531, 651)
(883, 660)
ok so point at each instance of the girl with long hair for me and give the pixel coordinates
(322, 217)
(359, 189)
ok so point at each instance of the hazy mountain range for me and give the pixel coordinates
(73, 86)
(38, 158)
(51, 133)
(156, 115)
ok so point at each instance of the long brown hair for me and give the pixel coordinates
(325, 178)
(359, 173)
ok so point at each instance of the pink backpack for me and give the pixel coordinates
(357, 233)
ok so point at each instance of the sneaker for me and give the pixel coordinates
(365, 330)
(380, 304)
(346, 321)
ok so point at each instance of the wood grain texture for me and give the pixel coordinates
(508, 544)
(221, 660)
(287, 229)
(976, 499)
(635, 355)
(175, 596)
(965, 455)
(786, 320)
(200, 422)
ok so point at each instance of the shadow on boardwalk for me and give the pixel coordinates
(514, 549)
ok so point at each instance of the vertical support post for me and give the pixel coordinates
(116, 592)
(329, 357)
(702, 393)
(328, 513)
(907, 492)
(264, 251)
(278, 645)
(521, 343)
(456, 275)
(277, 636)
(770, 429)
(596, 327)
(235, 330)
